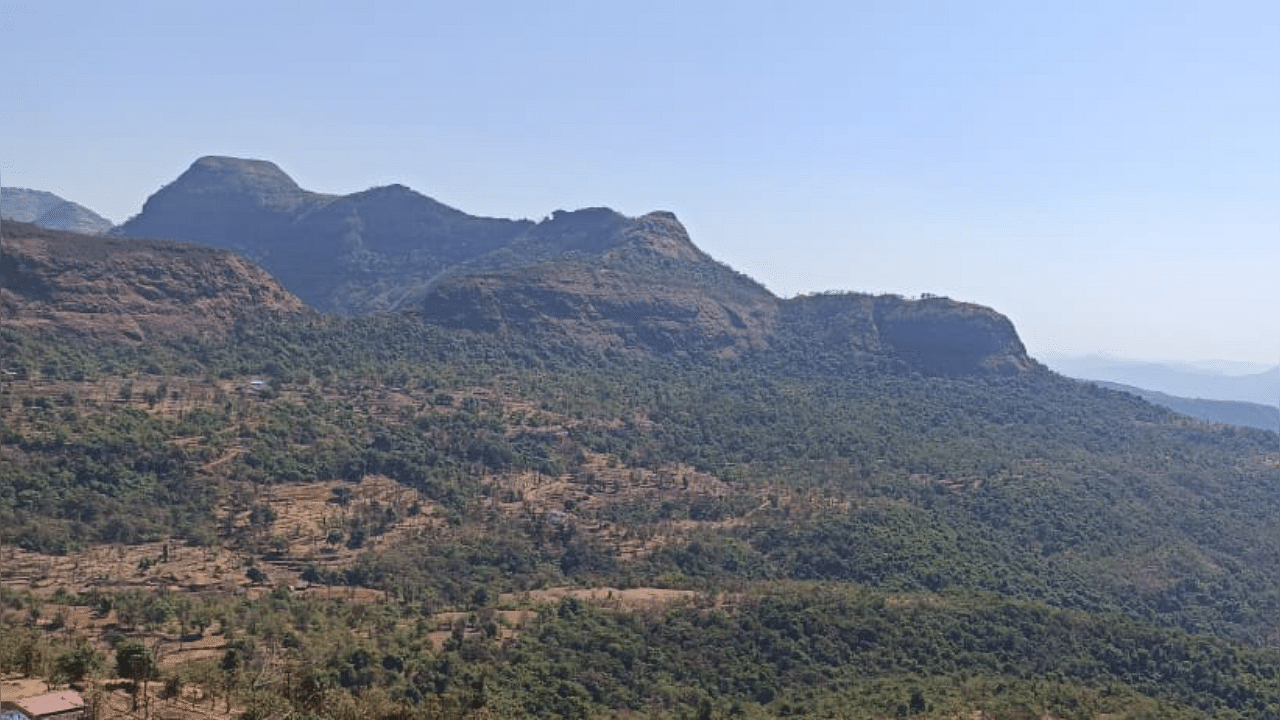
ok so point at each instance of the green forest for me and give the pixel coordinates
(847, 538)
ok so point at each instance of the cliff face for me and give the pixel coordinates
(124, 289)
(940, 336)
(934, 336)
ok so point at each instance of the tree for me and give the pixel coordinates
(76, 663)
(31, 653)
(233, 661)
(135, 661)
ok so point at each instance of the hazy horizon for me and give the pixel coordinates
(1209, 366)
(1103, 175)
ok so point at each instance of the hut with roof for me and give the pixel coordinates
(60, 705)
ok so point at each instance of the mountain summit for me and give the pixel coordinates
(236, 204)
(601, 279)
(360, 253)
(592, 277)
(255, 178)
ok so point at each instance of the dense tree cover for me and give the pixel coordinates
(116, 478)
(774, 650)
(1023, 543)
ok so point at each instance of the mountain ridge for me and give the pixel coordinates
(591, 276)
(1229, 412)
(1184, 380)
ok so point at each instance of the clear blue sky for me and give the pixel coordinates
(1107, 174)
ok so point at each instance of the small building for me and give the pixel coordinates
(61, 705)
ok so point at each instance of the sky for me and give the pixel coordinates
(1106, 174)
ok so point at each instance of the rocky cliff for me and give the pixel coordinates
(125, 289)
(932, 335)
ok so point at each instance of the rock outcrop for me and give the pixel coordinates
(932, 335)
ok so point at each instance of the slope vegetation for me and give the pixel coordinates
(838, 505)
(860, 537)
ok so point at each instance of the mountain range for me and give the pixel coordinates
(1209, 381)
(589, 276)
(392, 249)
(592, 276)
(1230, 412)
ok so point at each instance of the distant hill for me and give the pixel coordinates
(1228, 412)
(591, 277)
(1183, 380)
(128, 289)
(50, 211)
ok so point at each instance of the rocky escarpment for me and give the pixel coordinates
(943, 337)
(933, 335)
(125, 289)
(607, 281)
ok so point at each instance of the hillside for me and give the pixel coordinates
(125, 289)
(835, 524)
(587, 471)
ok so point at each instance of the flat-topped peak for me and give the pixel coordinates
(238, 174)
